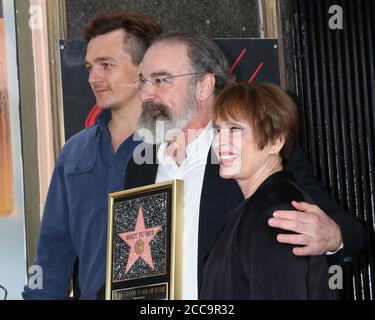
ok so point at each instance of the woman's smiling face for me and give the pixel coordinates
(237, 149)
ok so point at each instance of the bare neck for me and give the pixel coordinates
(124, 122)
(250, 185)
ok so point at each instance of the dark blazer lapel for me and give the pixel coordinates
(144, 174)
(212, 210)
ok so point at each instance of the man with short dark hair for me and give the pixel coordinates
(92, 163)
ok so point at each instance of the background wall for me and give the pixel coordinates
(334, 83)
(223, 18)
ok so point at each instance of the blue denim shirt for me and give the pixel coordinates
(74, 223)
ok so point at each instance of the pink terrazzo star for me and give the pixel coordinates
(139, 242)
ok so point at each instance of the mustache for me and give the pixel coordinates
(161, 110)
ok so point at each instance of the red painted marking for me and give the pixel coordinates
(256, 72)
(90, 121)
(237, 61)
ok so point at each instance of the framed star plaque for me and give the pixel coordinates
(144, 248)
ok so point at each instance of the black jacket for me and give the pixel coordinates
(246, 261)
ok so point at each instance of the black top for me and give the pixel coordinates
(247, 262)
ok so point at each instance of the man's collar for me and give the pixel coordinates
(204, 141)
(103, 119)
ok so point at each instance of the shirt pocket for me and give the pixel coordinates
(80, 183)
(78, 167)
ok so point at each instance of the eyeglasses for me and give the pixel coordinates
(158, 81)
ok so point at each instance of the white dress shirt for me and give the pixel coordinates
(191, 171)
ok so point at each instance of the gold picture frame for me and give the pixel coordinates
(144, 246)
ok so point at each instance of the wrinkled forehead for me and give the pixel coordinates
(166, 58)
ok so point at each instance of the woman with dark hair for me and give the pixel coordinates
(256, 129)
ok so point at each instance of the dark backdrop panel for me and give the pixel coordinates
(335, 80)
(78, 98)
(219, 18)
(250, 59)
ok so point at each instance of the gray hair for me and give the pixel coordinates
(205, 57)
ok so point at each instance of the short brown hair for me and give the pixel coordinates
(140, 30)
(267, 108)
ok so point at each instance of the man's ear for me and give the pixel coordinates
(205, 87)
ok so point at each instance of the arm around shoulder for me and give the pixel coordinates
(352, 232)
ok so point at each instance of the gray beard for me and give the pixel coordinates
(165, 125)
